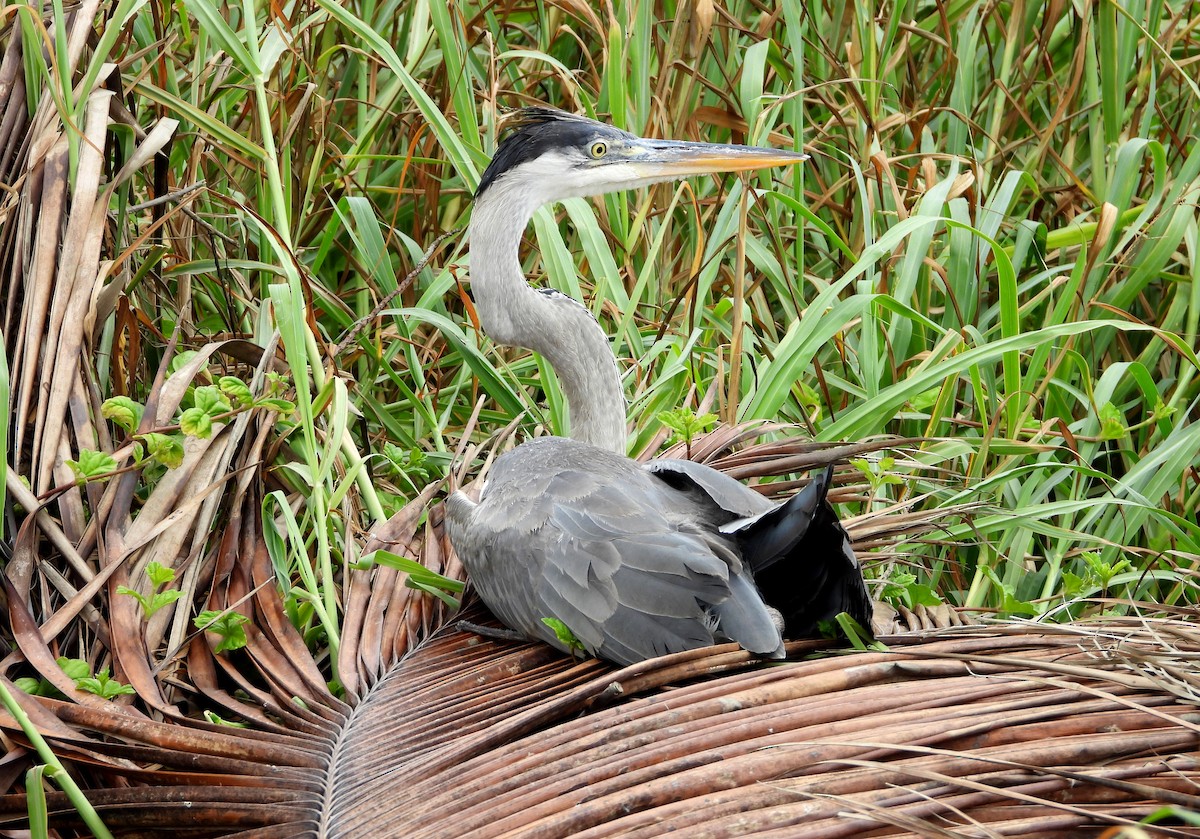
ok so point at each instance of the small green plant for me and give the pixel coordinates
(80, 672)
(1009, 604)
(686, 424)
(1188, 817)
(844, 626)
(903, 588)
(277, 385)
(230, 626)
(230, 396)
(75, 668)
(413, 465)
(92, 466)
(563, 633)
(1096, 577)
(216, 719)
(167, 449)
(210, 403)
(159, 576)
(809, 400)
(878, 475)
(34, 686)
(237, 391)
(1112, 422)
(123, 411)
(103, 686)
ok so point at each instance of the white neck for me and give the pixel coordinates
(552, 324)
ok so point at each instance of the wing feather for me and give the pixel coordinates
(606, 547)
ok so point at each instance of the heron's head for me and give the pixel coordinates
(549, 155)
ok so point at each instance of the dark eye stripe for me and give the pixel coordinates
(539, 130)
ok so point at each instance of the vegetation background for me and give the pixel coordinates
(988, 268)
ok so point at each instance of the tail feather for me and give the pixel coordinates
(775, 534)
(803, 564)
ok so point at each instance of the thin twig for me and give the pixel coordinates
(169, 197)
(401, 286)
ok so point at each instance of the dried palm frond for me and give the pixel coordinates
(1048, 729)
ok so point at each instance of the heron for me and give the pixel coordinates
(634, 560)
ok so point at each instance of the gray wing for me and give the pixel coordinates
(628, 583)
(727, 493)
(600, 550)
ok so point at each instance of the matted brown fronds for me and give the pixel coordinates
(988, 726)
(1001, 730)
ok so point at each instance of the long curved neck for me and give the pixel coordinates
(552, 324)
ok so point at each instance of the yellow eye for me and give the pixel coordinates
(598, 149)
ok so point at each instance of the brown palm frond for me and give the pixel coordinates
(964, 721)
(993, 726)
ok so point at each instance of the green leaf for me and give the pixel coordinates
(809, 400)
(686, 423)
(167, 449)
(1073, 584)
(35, 804)
(418, 585)
(902, 588)
(228, 625)
(920, 594)
(283, 406)
(418, 576)
(163, 598)
(75, 668)
(859, 638)
(864, 466)
(237, 390)
(29, 685)
(1162, 411)
(277, 383)
(195, 423)
(123, 411)
(103, 686)
(1009, 603)
(896, 584)
(1112, 422)
(924, 400)
(136, 595)
(213, 718)
(564, 634)
(159, 574)
(211, 401)
(181, 360)
(1101, 571)
(92, 465)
